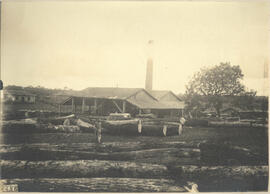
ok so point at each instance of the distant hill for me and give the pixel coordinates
(39, 91)
(46, 99)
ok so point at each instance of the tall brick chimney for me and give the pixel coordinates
(149, 75)
(149, 69)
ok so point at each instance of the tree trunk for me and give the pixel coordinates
(54, 153)
(96, 185)
(215, 172)
(80, 168)
(104, 147)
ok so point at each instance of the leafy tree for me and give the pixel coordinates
(215, 82)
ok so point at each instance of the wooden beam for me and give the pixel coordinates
(124, 106)
(72, 105)
(95, 106)
(171, 113)
(83, 105)
(59, 108)
(117, 106)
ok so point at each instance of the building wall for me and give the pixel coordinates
(19, 98)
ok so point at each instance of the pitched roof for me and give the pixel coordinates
(169, 104)
(19, 92)
(128, 94)
(159, 94)
(113, 93)
(153, 104)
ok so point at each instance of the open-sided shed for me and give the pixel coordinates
(102, 101)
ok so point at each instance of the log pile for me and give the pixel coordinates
(144, 166)
(212, 172)
(55, 152)
(95, 185)
(81, 169)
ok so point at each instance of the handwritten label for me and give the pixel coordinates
(9, 188)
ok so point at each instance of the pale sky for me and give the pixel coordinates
(81, 44)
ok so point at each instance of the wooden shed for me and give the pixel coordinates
(102, 101)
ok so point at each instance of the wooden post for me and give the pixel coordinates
(98, 132)
(95, 106)
(83, 105)
(124, 107)
(171, 113)
(59, 109)
(72, 105)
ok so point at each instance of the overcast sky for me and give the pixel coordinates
(95, 44)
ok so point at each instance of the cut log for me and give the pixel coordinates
(57, 120)
(80, 168)
(20, 121)
(200, 172)
(64, 128)
(54, 153)
(157, 130)
(104, 147)
(171, 161)
(96, 185)
(84, 124)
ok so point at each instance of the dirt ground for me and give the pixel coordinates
(248, 146)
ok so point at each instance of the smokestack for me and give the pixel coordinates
(149, 69)
(149, 75)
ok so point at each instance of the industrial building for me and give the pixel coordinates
(103, 101)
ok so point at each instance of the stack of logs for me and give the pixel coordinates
(116, 166)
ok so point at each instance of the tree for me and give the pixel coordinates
(214, 82)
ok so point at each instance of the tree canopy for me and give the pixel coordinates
(214, 82)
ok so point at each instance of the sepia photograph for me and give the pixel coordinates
(134, 96)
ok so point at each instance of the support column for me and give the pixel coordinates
(182, 111)
(95, 106)
(59, 109)
(83, 105)
(72, 105)
(140, 111)
(124, 107)
(171, 113)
